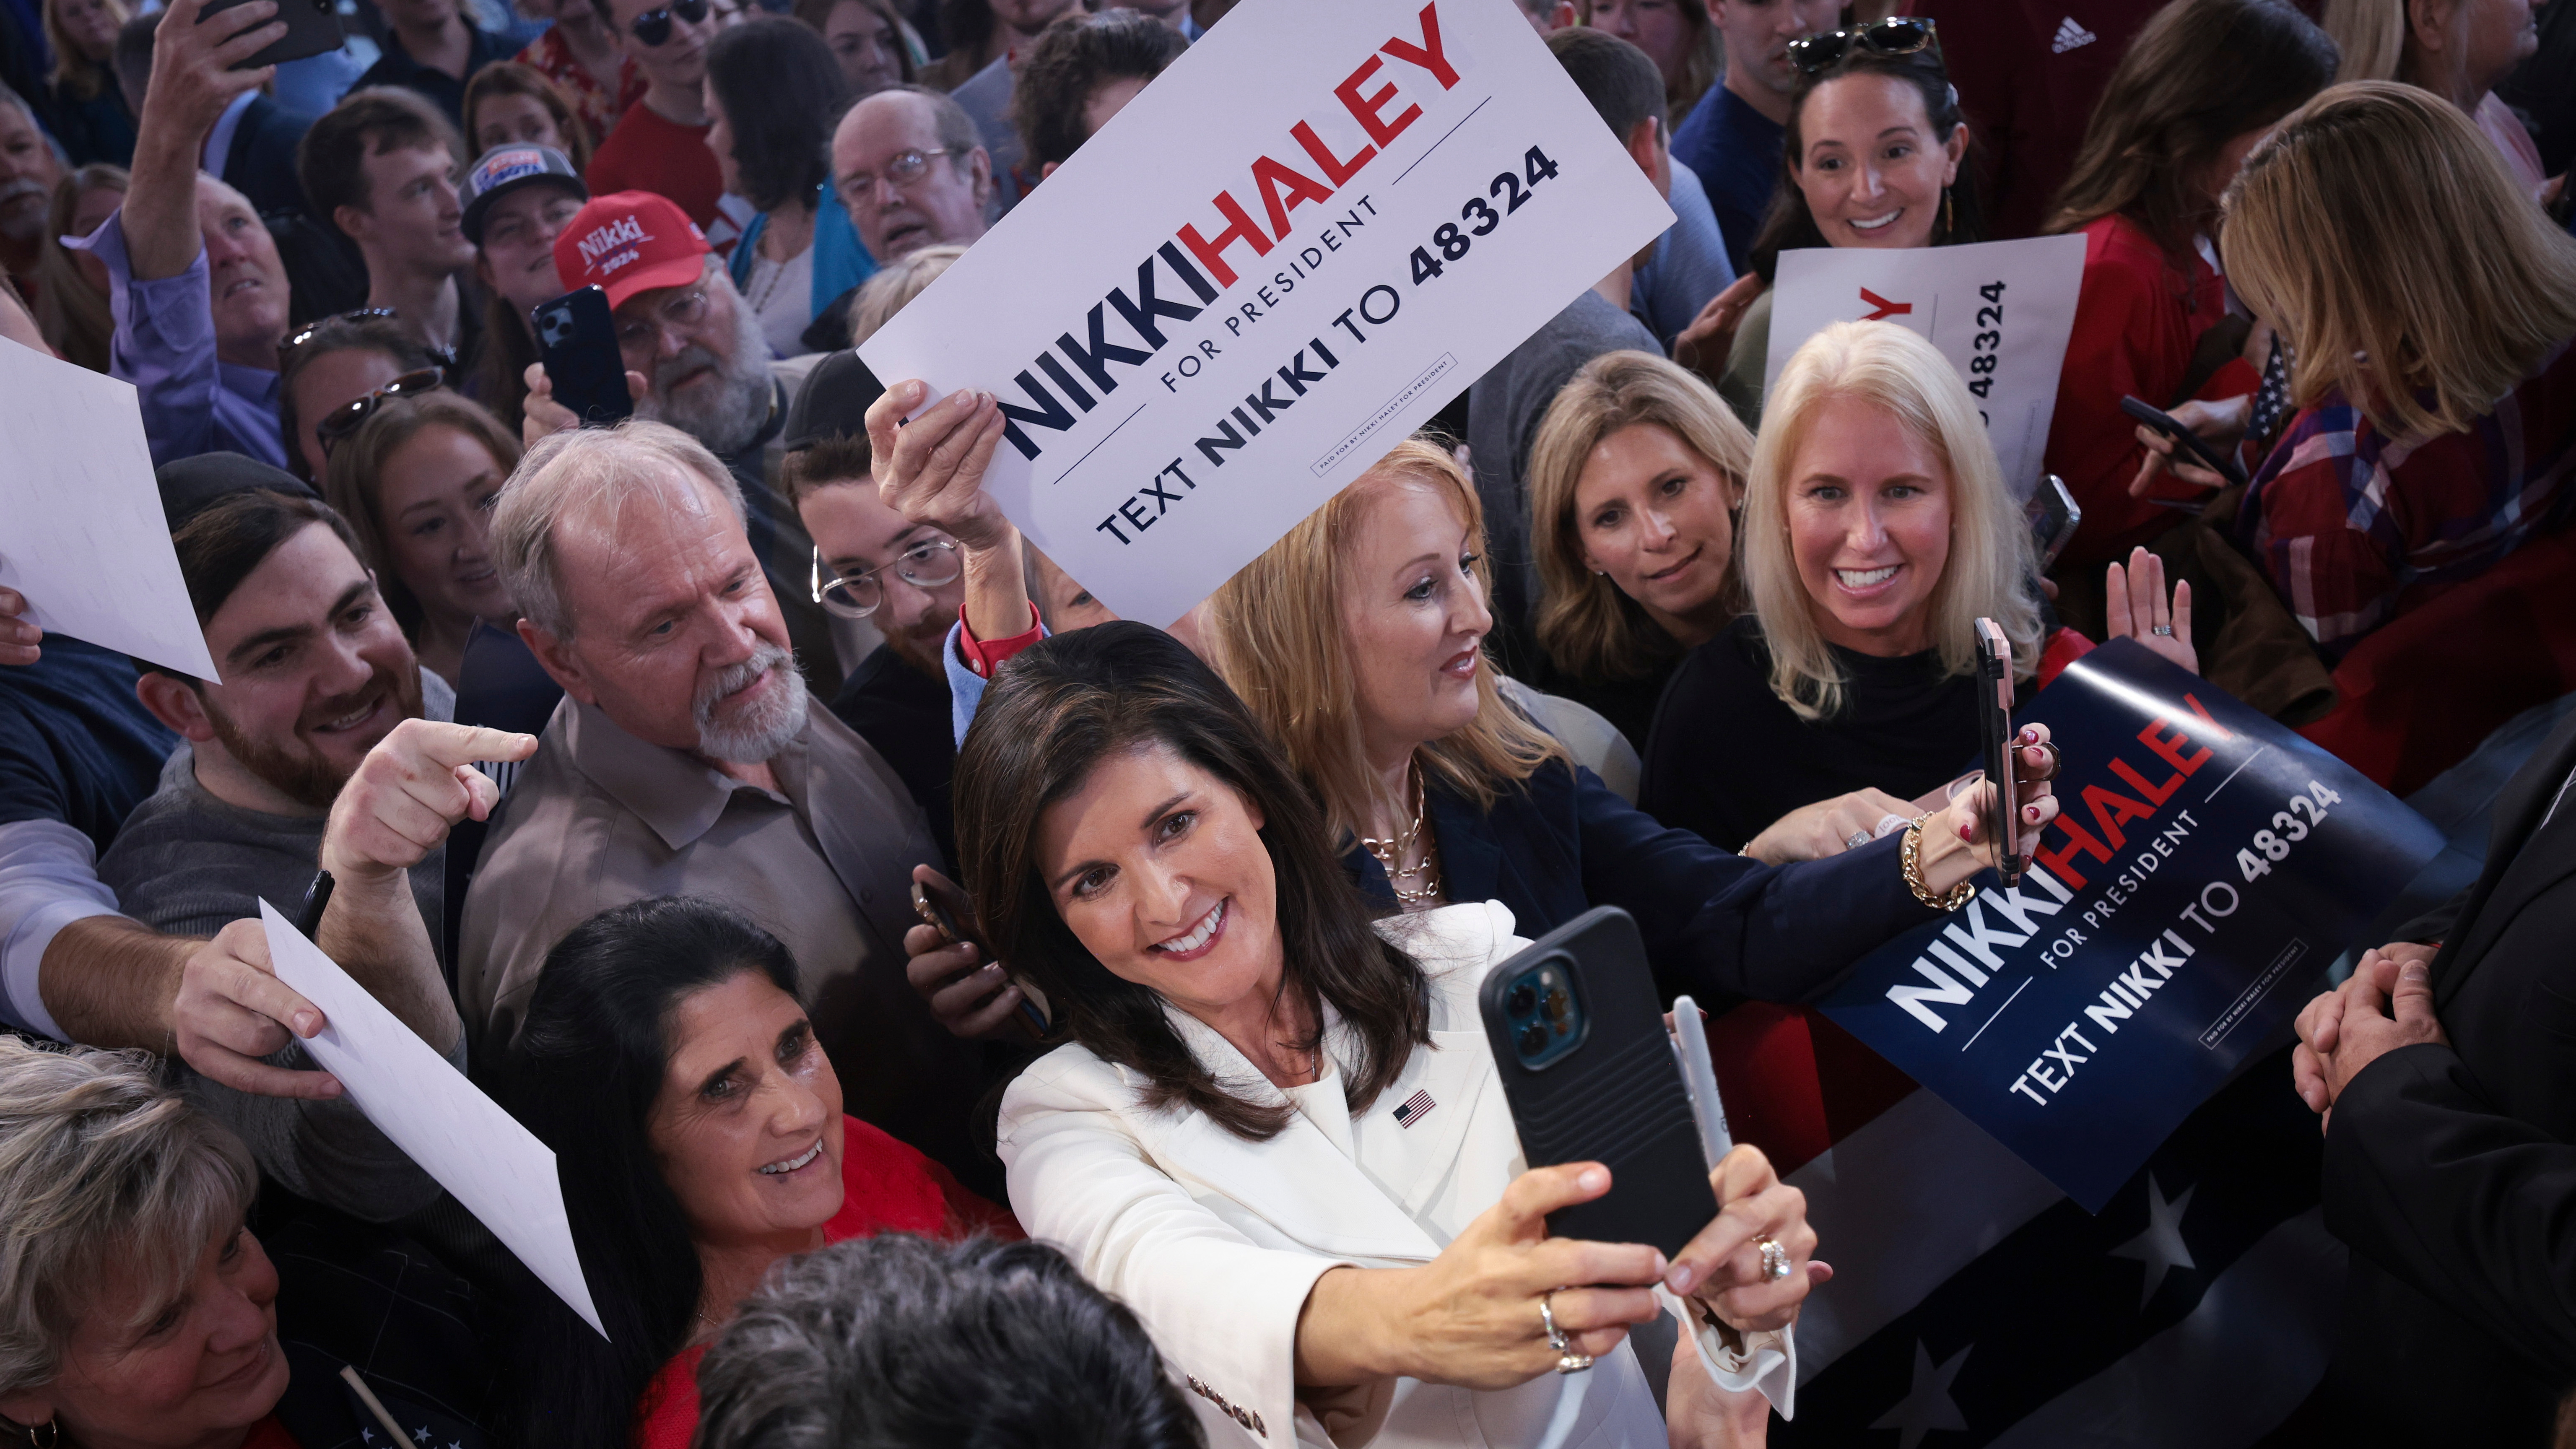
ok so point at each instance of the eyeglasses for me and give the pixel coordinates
(1901, 35)
(653, 27)
(924, 565)
(904, 169)
(345, 419)
(680, 314)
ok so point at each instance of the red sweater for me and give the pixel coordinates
(2136, 323)
(649, 152)
(891, 1188)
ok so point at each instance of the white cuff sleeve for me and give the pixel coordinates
(1768, 1363)
(48, 879)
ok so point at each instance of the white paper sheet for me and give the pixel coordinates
(2000, 311)
(495, 1167)
(82, 534)
(1342, 224)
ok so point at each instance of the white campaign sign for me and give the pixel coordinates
(82, 534)
(1315, 229)
(2000, 311)
(442, 1122)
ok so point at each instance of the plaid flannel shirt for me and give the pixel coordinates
(2354, 526)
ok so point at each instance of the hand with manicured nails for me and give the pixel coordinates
(1722, 1267)
(231, 1010)
(1955, 842)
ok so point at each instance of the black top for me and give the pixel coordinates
(1727, 757)
(904, 715)
(397, 68)
(1718, 926)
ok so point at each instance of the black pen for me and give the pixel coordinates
(316, 897)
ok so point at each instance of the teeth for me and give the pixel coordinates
(776, 1169)
(1183, 945)
(1864, 578)
(1875, 223)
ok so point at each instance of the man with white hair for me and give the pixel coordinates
(28, 172)
(688, 759)
(195, 284)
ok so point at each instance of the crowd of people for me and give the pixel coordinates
(963, 1016)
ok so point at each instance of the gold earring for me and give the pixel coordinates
(1949, 214)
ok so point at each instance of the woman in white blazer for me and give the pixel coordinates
(1278, 1133)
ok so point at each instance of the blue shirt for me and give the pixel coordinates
(164, 344)
(75, 744)
(1735, 149)
(1689, 265)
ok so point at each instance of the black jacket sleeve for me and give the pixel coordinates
(2471, 1208)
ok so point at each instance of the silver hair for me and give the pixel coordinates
(729, 420)
(568, 473)
(102, 1169)
(757, 736)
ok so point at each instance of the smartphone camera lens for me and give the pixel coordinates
(1533, 1039)
(1522, 1001)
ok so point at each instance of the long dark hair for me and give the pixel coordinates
(782, 91)
(1790, 226)
(582, 1076)
(2200, 74)
(1051, 716)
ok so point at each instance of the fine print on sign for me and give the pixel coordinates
(2000, 311)
(1237, 296)
(2206, 865)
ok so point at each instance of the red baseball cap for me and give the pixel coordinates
(628, 242)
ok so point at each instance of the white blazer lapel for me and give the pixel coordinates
(1298, 1181)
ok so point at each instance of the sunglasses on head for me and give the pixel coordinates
(653, 27)
(1901, 35)
(345, 419)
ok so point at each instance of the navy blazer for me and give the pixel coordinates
(260, 163)
(1716, 925)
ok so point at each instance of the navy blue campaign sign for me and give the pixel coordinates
(2205, 865)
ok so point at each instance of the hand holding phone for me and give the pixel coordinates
(946, 909)
(2182, 437)
(577, 342)
(1995, 736)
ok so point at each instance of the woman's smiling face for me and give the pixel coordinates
(1870, 167)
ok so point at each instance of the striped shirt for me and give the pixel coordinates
(2355, 527)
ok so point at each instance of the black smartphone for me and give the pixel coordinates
(577, 340)
(1994, 728)
(1578, 1035)
(947, 910)
(312, 28)
(2185, 439)
(2053, 518)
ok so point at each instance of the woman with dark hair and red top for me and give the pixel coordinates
(2199, 87)
(666, 1061)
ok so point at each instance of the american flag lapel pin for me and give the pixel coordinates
(1413, 1108)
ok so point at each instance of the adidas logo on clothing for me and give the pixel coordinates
(2070, 35)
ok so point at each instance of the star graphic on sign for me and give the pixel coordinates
(420, 1435)
(2161, 1246)
(1926, 1406)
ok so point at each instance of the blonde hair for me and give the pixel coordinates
(1892, 369)
(2380, 230)
(103, 1169)
(2370, 34)
(896, 283)
(1275, 630)
(76, 72)
(1588, 624)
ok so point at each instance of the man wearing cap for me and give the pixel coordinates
(518, 199)
(696, 359)
(194, 281)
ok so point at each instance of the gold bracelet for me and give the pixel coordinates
(1911, 853)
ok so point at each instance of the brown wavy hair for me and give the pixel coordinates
(2200, 74)
(1053, 713)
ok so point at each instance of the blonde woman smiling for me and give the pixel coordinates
(1877, 530)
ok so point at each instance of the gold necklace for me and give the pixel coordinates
(1391, 853)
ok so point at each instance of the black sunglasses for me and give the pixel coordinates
(1902, 35)
(654, 26)
(345, 419)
